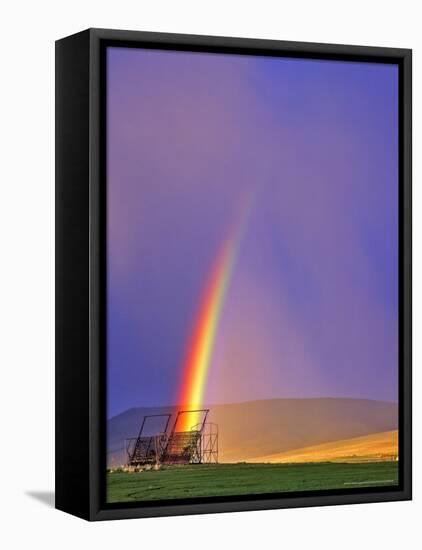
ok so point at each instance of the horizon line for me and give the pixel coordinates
(178, 406)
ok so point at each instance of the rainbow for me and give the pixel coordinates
(201, 344)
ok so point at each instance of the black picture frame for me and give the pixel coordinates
(81, 275)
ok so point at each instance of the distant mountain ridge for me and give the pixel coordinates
(254, 429)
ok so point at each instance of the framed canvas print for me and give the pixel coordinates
(233, 323)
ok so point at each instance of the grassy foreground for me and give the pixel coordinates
(240, 479)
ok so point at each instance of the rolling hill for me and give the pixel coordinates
(374, 447)
(256, 429)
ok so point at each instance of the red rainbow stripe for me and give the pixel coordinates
(201, 345)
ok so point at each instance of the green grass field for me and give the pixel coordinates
(241, 479)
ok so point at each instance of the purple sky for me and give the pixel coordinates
(311, 309)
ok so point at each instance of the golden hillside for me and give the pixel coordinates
(252, 430)
(378, 446)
